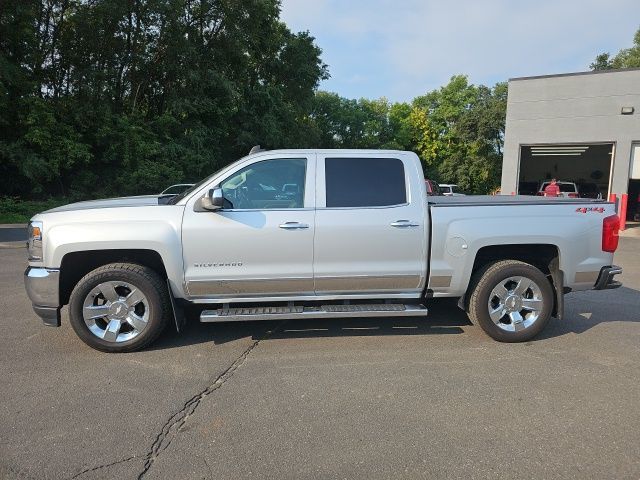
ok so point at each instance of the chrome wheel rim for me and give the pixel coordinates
(515, 303)
(116, 311)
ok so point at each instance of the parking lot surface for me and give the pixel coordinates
(381, 398)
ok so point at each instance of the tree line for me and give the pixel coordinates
(119, 97)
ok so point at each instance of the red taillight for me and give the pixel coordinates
(573, 195)
(610, 228)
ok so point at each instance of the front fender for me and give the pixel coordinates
(161, 235)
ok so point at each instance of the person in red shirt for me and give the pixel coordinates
(552, 190)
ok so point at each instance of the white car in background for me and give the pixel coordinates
(176, 189)
(450, 189)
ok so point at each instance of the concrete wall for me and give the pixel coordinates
(576, 108)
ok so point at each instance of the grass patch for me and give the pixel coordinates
(14, 210)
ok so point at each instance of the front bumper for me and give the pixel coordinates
(43, 288)
(605, 279)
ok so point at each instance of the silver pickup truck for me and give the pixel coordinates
(314, 234)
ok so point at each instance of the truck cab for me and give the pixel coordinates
(356, 226)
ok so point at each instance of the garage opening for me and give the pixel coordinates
(587, 166)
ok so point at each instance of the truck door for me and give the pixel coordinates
(261, 242)
(370, 234)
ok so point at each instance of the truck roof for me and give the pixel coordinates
(332, 150)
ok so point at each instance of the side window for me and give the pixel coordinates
(270, 184)
(365, 182)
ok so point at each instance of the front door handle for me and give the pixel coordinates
(293, 225)
(404, 224)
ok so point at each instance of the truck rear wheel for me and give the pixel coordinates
(119, 307)
(511, 300)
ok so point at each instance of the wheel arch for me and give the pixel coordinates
(544, 256)
(76, 265)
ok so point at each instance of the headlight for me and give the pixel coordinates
(34, 245)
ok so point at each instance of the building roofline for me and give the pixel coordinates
(573, 74)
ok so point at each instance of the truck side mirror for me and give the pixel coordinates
(213, 200)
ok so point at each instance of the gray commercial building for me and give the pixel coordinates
(577, 127)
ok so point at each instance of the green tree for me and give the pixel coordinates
(104, 97)
(115, 97)
(625, 58)
(457, 130)
(458, 133)
(339, 122)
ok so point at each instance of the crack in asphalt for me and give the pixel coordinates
(92, 469)
(174, 424)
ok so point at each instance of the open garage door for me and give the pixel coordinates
(586, 165)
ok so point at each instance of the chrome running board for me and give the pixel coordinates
(240, 314)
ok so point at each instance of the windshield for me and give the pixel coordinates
(175, 199)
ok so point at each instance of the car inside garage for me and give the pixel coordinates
(587, 165)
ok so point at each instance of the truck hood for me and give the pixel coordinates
(139, 201)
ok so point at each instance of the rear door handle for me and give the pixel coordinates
(293, 225)
(404, 224)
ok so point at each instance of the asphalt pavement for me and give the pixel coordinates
(12, 235)
(375, 399)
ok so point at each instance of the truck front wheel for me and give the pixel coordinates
(119, 307)
(511, 300)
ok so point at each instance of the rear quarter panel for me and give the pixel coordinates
(459, 232)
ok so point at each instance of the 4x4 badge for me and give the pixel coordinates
(590, 209)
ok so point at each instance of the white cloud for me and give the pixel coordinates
(403, 48)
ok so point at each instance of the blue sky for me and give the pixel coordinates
(403, 48)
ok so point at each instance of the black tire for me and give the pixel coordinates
(150, 284)
(483, 283)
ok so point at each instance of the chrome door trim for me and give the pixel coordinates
(221, 286)
(440, 281)
(367, 283)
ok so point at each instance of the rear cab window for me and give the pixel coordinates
(364, 182)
